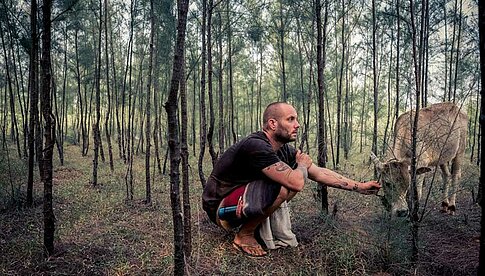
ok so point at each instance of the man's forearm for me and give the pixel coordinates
(332, 179)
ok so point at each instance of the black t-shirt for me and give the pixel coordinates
(240, 164)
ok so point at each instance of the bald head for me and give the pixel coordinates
(274, 111)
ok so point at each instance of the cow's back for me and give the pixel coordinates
(442, 131)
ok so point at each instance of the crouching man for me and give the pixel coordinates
(255, 176)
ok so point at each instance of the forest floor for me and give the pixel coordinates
(100, 232)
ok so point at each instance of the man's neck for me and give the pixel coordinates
(275, 144)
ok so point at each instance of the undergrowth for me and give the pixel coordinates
(101, 232)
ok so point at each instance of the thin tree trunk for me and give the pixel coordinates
(220, 90)
(304, 139)
(63, 121)
(481, 24)
(322, 193)
(388, 118)
(398, 64)
(96, 131)
(148, 198)
(338, 126)
(212, 119)
(474, 136)
(184, 154)
(374, 69)
(364, 105)
(49, 129)
(34, 99)
(156, 126)
(108, 88)
(80, 98)
(457, 59)
(281, 33)
(450, 72)
(414, 193)
(174, 143)
(203, 123)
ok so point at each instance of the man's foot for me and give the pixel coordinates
(248, 244)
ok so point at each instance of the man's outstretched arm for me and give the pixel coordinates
(336, 180)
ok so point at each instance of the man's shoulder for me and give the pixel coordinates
(256, 139)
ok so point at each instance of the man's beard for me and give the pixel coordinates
(284, 137)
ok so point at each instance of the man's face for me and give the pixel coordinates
(287, 127)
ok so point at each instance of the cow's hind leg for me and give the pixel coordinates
(455, 178)
(445, 176)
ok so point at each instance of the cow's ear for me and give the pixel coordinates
(422, 170)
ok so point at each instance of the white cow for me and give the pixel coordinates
(442, 131)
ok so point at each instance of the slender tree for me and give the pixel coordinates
(81, 99)
(49, 128)
(398, 56)
(34, 99)
(220, 85)
(203, 123)
(96, 130)
(321, 53)
(481, 25)
(212, 119)
(107, 128)
(374, 70)
(174, 144)
(184, 154)
(148, 198)
(230, 73)
(417, 78)
(338, 127)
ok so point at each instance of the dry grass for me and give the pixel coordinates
(99, 232)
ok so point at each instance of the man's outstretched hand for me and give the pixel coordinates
(369, 187)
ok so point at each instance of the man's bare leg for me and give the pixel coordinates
(245, 237)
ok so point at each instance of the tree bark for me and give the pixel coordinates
(174, 143)
(148, 198)
(184, 154)
(414, 193)
(212, 119)
(374, 70)
(34, 99)
(96, 132)
(481, 26)
(108, 88)
(49, 129)
(398, 64)
(80, 97)
(230, 75)
(222, 128)
(203, 123)
(322, 193)
(281, 33)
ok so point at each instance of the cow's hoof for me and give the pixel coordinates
(452, 209)
(444, 207)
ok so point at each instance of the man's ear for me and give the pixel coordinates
(272, 124)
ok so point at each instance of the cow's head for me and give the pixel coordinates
(395, 178)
